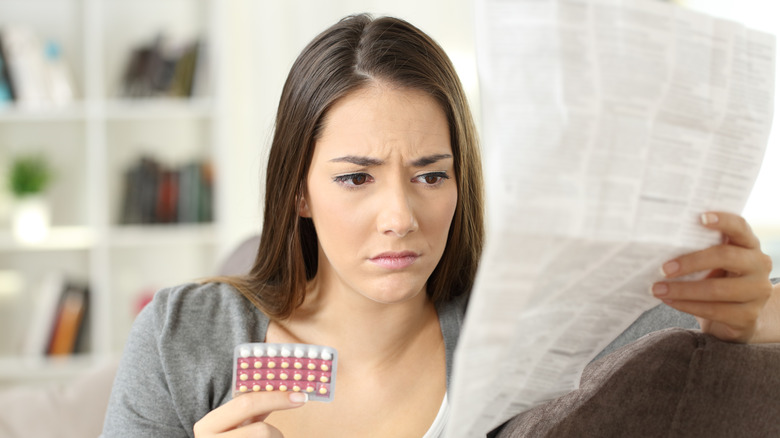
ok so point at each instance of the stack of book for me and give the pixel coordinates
(162, 69)
(59, 325)
(159, 194)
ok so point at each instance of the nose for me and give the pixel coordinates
(396, 212)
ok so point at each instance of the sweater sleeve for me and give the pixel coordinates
(657, 318)
(177, 362)
(141, 403)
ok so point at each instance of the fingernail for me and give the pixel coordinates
(709, 218)
(660, 289)
(670, 268)
(299, 397)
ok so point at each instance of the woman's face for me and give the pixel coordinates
(381, 193)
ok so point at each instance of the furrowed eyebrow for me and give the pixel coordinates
(360, 161)
(425, 161)
(370, 162)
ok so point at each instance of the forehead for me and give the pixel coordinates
(380, 119)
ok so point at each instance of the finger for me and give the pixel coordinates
(724, 290)
(254, 405)
(727, 321)
(253, 430)
(732, 226)
(730, 258)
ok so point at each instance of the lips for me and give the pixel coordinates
(395, 260)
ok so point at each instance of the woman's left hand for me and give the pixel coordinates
(736, 301)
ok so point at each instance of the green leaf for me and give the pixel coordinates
(29, 175)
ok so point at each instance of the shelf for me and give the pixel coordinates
(74, 112)
(133, 109)
(129, 236)
(92, 142)
(16, 369)
(64, 238)
(158, 108)
(60, 238)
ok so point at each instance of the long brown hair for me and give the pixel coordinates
(347, 56)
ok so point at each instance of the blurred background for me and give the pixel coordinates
(133, 138)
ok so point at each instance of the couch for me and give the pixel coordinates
(670, 383)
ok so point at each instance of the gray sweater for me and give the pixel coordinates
(177, 364)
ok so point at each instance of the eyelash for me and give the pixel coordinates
(440, 175)
(344, 180)
(347, 180)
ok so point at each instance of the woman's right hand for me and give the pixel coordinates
(244, 415)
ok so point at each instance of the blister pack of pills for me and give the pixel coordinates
(285, 367)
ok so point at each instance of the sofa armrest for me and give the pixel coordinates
(71, 410)
(674, 382)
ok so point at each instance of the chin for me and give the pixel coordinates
(395, 295)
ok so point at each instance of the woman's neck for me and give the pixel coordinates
(363, 331)
(391, 359)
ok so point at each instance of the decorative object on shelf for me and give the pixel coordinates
(30, 176)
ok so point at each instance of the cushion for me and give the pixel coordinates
(671, 383)
(71, 410)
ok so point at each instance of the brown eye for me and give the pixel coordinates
(432, 179)
(358, 179)
(353, 180)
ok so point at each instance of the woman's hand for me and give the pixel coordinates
(736, 301)
(244, 415)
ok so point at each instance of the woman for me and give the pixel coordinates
(371, 238)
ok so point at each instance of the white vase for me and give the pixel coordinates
(31, 218)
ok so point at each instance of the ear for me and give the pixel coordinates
(303, 207)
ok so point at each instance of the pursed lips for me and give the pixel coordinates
(395, 260)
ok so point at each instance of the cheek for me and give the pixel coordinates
(439, 216)
(338, 221)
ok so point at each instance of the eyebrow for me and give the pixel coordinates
(360, 161)
(430, 159)
(369, 162)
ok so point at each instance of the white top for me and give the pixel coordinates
(437, 427)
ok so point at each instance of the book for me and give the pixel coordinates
(26, 65)
(46, 307)
(131, 202)
(167, 196)
(149, 180)
(206, 192)
(69, 321)
(6, 89)
(189, 188)
(59, 81)
(184, 72)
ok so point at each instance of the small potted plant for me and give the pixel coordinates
(30, 176)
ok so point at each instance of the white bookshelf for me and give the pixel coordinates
(60, 238)
(91, 142)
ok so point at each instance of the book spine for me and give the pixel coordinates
(69, 321)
